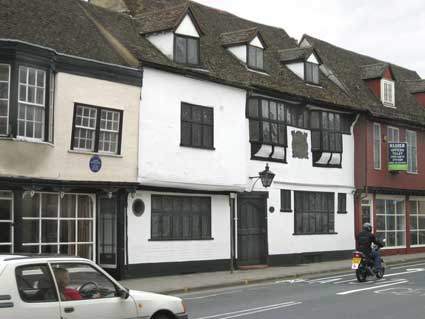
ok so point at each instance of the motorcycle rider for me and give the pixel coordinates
(364, 240)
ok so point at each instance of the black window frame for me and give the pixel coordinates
(285, 201)
(97, 129)
(336, 132)
(14, 67)
(203, 124)
(309, 69)
(342, 203)
(50, 277)
(304, 208)
(176, 216)
(186, 61)
(250, 64)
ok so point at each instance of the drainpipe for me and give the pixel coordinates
(232, 199)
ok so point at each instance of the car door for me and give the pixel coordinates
(37, 296)
(85, 292)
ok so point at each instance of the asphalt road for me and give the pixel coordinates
(399, 295)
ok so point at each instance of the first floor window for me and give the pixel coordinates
(96, 129)
(59, 225)
(285, 200)
(391, 221)
(314, 213)
(417, 222)
(4, 98)
(197, 126)
(412, 156)
(6, 222)
(326, 132)
(393, 134)
(180, 218)
(376, 146)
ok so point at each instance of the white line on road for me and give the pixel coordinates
(213, 295)
(407, 265)
(412, 271)
(333, 277)
(252, 310)
(402, 281)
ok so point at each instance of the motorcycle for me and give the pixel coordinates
(365, 265)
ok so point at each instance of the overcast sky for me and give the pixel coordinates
(390, 30)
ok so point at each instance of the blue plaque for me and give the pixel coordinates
(95, 163)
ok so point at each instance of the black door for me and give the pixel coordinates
(252, 229)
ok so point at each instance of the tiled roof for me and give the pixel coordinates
(163, 20)
(288, 55)
(238, 37)
(348, 67)
(416, 86)
(374, 71)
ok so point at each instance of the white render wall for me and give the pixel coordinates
(187, 27)
(142, 251)
(164, 42)
(163, 162)
(297, 68)
(240, 52)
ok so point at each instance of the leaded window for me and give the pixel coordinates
(31, 107)
(314, 213)
(186, 50)
(326, 132)
(197, 126)
(4, 98)
(180, 218)
(97, 129)
(255, 57)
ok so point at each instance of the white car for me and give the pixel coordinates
(68, 288)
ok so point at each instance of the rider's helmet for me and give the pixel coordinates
(367, 227)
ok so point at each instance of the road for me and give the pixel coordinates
(400, 294)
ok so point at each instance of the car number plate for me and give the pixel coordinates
(355, 263)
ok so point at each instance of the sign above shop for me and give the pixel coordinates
(95, 163)
(397, 157)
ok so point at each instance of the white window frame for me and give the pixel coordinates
(8, 221)
(394, 129)
(417, 215)
(8, 100)
(58, 218)
(377, 147)
(410, 149)
(388, 99)
(31, 104)
(111, 131)
(395, 215)
(88, 128)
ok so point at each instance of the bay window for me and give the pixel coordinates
(4, 98)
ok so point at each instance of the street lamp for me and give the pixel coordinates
(266, 177)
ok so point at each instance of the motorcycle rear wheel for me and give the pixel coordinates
(380, 274)
(361, 275)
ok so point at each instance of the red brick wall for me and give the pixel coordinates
(421, 98)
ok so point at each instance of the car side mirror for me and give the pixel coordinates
(123, 293)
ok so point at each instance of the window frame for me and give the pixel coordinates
(377, 147)
(386, 216)
(410, 148)
(286, 201)
(8, 196)
(191, 122)
(330, 221)
(393, 129)
(417, 215)
(337, 132)
(161, 237)
(342, 203)
(97, 130)
(254, 66)
(186, 38)
(314, 66)
(8, 100)
(385, 94)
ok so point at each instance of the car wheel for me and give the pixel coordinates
(162, 316)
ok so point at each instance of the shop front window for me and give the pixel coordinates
(417, 223)
(6, 222)
(56, 224)
(391, 221)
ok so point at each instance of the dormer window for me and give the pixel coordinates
(311, 72)
(255, 57)
(387, 92)
(186, 49)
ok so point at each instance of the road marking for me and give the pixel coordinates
(213, 295)
(411, 271)
(290, 281)
(402, 281)
(407, 265)
(333, 277)
(250, 311)
(340, 282)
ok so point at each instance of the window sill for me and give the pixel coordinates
(199, 147)
(345, 212)
(412, 173)
(286, 210)
(182, 239)
(94, 153)
(262, 72)
(309, 234)
(391, 106)
(26, 140)
(317, 86)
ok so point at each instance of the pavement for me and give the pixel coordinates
(199, 281)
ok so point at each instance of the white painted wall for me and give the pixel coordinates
(240, 52)
(141, 250)
(256, 43)
(312, 59)
(42, 160)
(164, 42)
(187, 27)
(163, 162)
(297, 68)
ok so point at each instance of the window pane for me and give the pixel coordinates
(259, 58)
(196, 135)
(5, 209)
(315, 120)
(186, 112)
(197, 114)
(49, 231)
(253, 108)
(68, 206)
(31, 231)
(274, 133)
(5, 233)
(180, 49)
(67, 231)
(282, 135)
(207, 136)
(192, 51)
(49, 205)
(207, 116)
(265, 109)
(266, 132)
(85, 231)
(31, 205)
(273, 110)
(281, 112)
(186, 133)
(254, 131)
(251, 56)
(85, 207)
